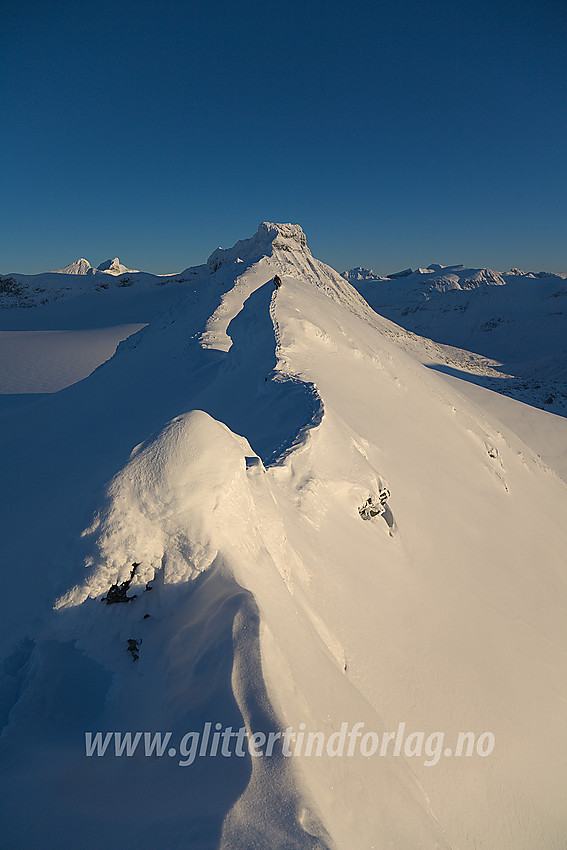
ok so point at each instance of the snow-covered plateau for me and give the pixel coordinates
(188, 545)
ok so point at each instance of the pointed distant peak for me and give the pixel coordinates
(109, 265)
(80, 266)
(114, 267)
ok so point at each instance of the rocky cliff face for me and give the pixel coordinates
(269, 238)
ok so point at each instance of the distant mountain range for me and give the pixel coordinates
(82, 266)
(511, 326)
(448, 274)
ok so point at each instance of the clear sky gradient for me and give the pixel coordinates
(396, 134)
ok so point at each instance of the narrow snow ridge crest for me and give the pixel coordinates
(284, 251)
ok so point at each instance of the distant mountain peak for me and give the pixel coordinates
(114, 267)
(359, 273)
(80, 266)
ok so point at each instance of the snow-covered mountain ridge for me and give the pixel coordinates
(78, 278)
(464, 277)
(82, 266)
(227, 449)
(510, 327)
(284, 242)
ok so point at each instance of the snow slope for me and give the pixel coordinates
(544, 432)
(45, 347)
(48, 361)
(510, 327)
(227, 448)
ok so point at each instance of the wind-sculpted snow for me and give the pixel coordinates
(211, 475)
(253, 393)
(182, 504)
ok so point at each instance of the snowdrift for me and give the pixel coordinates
(226, 450)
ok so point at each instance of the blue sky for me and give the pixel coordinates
(396, 134)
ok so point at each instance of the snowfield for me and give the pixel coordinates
(226, 449)
(48, 361)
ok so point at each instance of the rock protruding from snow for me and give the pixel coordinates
(268, 238)
(114, 267)
(284, 248)
(80, 266)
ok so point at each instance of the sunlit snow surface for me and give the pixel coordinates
(227, 447)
